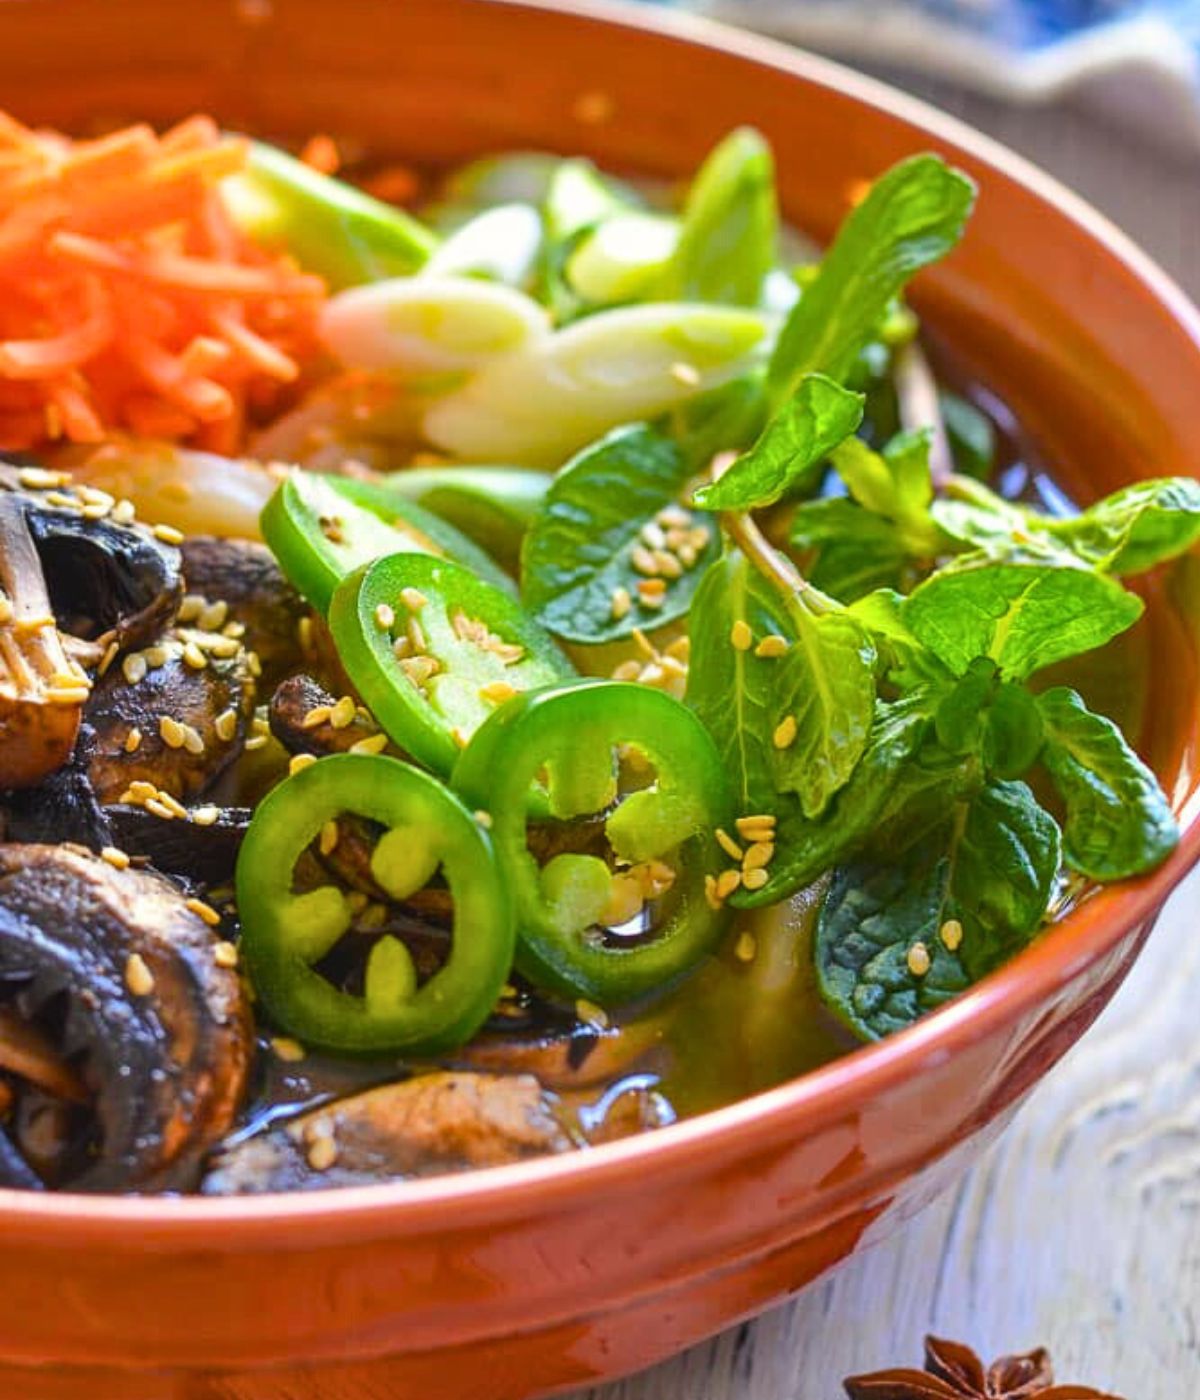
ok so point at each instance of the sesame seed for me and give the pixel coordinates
(785, 732)
(62, 500)
(234, 630)
(138, 977)
(124, 512)
(319, 714)
(322, 1153)
(193, 741)
(755, 879)
(115, 857)
(171, 732)
(300, 761)
(460, 736)
(141, 791)
(745, 947)
(918, 960)
(41, 479)
(253, 664)
(225, 954)
(110, 655)
(685, 374)
(748, 825)
(222, 647)
(727, 882)
(621, 603)
(327, 842)
(627, 671)
(226, 725)
(668, 566)
(212, 619)
(416, 635)
(680, 649)
(172, 805)
(134, 668)
(643, 560)
(644, 644)
(93, 496)
(591, 1014)
(652, 534)
(256, 741)
(484, 819)
(194, 657)
(341, 716)
(385, 617)
(710, 892)
(374, 743)
(496, 692)
(673, 517)
(772, 645)
(283, 1047)
(68, 694)
(758, 855)
(652, 592)
(740, 635)
(413, 599)
(191, 607)
(728, 845)
(203, 911)
(206, 816)
(156, 656)
(687, 555)
(951, 934)
(168, 534)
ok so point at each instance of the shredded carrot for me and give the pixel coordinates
(129, 299)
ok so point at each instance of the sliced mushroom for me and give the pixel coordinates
(302, 719)
(62, 807)
(204, 853)
(74, 584)
(244, 575)
(178, 726)
(435, 1123)
(115, 972)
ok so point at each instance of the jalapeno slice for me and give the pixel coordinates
(581, 929)
(285, 934)
(321, 528)
(433, 651)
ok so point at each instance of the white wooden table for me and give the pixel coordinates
(1080, 1230)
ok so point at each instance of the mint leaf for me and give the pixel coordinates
(1005, 868)
(800, 435)
(992, 870)
(1136, 528)
(1024, 616)
(1119, 822)
(913, 215)
(994, 719)
(727, 244)
(872, 916)
(825, 686)
(580, 547)
(856, 551)
(971, 435)
(732, 691)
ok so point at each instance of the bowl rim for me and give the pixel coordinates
(1082, 937)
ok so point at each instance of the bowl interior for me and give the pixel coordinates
(1093, 349)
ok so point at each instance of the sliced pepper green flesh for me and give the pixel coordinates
(484, 645)
(565, 738)
(284, 934)
(321, 528)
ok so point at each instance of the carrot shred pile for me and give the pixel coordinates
(129, 301)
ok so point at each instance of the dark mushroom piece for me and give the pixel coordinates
(302, 717)
(435, 1123)
(243, 575)
(117, 973)
(76, 584)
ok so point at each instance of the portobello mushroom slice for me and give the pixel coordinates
(435, 1123)
(116, 974)
(76, 585)
(243, 575)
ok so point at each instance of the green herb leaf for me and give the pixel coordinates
(580, 548)
(992, 870)
(800, 435)
(1134, 529)
(727, 246)
(825, 686)
(913, 215)
(1024, 616)
(872, 916)
(971, 435)
(856, 551)
(1119, 822)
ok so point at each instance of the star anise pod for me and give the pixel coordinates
(954, 1372)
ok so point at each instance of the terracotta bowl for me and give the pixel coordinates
(517, 1281)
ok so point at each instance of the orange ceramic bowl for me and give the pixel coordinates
(517, 1281)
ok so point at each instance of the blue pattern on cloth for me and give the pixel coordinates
(1139, 60)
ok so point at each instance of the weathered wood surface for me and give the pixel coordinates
(1081, 1229)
